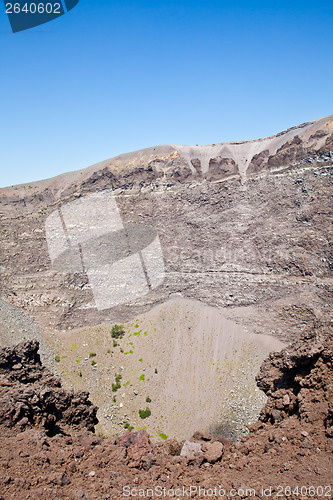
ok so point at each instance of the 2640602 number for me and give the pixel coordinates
(304, 491)
(33, 8)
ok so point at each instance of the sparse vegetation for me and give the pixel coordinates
(148, 400)
(92, 354)
(80, 374)
(142, 377)
(117, 331)
(156, 370)
(145, 413)
(93, 363)
(128, 426)
(57, 358)
(115, 343)
(163, 436)
(117, 384)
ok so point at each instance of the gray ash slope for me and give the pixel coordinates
(243, 227)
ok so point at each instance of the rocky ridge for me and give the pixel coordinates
(243, 226)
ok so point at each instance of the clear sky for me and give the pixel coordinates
(111, 77)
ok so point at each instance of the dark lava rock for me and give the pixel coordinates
(30, 394)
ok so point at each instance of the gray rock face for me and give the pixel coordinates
(189, 449)
(241, 226)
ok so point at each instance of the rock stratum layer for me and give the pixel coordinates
(242, 226)
(289, 447)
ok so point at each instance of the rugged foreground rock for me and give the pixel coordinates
(31, 395)
(45, 454)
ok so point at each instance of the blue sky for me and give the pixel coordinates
(111, 77)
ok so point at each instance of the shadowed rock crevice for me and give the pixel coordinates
(298, 378)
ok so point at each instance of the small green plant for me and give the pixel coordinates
(93, 363)
(163, 436)
(121, 350)
(115, 343)
(128, 426)
(114, 399)
(92, 354)
(80, 374)
(145, 413)
(117, 331)
(140, 360)
(109, 351)
(57, 358)
(148, 400)
(142, 377)
(73, 346)
(156, 370)
(117, 384)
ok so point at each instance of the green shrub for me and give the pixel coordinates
(92, 354)
(145, 413)
(142, 377)
(156, 370)
(148, 400)
(115, 343)
(93, 363)
(80, 374)
(117, 383)
(117, 331)
(163, 436)
(57, 358)
(128, 426)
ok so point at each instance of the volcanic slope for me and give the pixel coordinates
(242, 226)
(184, 361)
